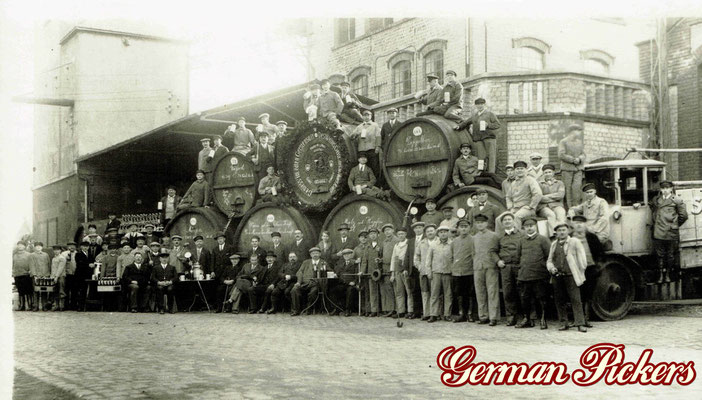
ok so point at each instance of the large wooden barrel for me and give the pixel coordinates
(460, 199)
(266, 218)
(419, 157)
(362, 213)
(197, 221)
(315, 161)
(234, 184)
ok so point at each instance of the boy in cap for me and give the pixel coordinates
(532, 279)
(400, 270)
(311, 101)
(668, 213)
(566, 263)
(58, 276)
(449, 219)
(485, 272)
(440, 258)
(387, 294)
(163, 278)
(551, 204)
(508, 252)
(243, 140)
(524, 194)
(198, 194)
(349, 113)
(462, 272)
(485, 127)
(432, 216)
(362, 177)
(595, 210)
(329, 101)
(423, 264)
(572, 156)
(465, 169)
(535, 169)
(307, 283)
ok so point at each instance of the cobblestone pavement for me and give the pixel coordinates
(196, 355)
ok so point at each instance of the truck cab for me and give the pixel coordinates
(628, 186)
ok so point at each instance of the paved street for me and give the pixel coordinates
(196, 355)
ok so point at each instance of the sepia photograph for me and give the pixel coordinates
(214, 200)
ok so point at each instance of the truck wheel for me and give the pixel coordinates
(613, 291)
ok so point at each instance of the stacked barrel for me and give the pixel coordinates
(314, 162)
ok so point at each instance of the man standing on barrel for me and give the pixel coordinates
(485, 127)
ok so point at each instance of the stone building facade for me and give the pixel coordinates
(684, 65)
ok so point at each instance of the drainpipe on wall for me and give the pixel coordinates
(85, 197)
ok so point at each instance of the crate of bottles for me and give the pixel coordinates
(43, 284)
(109, 284)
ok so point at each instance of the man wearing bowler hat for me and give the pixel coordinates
(484, 207)
(278, 248)
(572, 155)
(465, 169)
(669, 213)
(220, 254)
(163, 278)
(349, 113)
(343, 242)
(265, 288)
(485, 126)
(307, 280)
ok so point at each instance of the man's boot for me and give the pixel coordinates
(667, 276)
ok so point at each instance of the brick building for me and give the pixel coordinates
(537, 76)
(684, 66)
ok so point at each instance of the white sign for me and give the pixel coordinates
(193, 221)
(483, 125)
(417, 131)
(363, 210)
(234, 161)
(270, 218)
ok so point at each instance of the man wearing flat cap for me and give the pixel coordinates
(343, 242)
(307, 280)
(350, 113)
(149, 235)
(524, 194)
(572, 155)
(486, 275)
(282, 128)
(311, 101)
(595, 210)
(226, 277)
(219, 150)
(362, 179)
(204, 158)
(368, 141)
(240, 137)
(465, 168)
(462, 272)
(423, 264)
(199, 193)
(347, 287)
(594, 251)
(535, 167)
(450, 102)
(401, 270)
(551, 204)
(263, 156)
(432, 97)
(485, 207)
(509, 171)
(387, 294)
(485, 127)
(449, 220)
(668, 213)
(532, 279)
(567, 263)
(177, 254)
(440, 259)
(58, 276)
(268, 129)
(508, 252)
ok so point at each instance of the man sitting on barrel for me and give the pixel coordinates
(198, 194)
(450, 103)
(163, 277)
(368, 140)
(362, 180)
(350, 113)
(269, 186)
(465, 169)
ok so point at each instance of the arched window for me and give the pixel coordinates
(359, 85)
(596, 61)
(529, 58)
(401, 78)
(434, 64)
(596, 66)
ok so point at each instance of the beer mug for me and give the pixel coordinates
(447, 97)
(359, 190)
(160, 205)
(363, 133)
(181, 278)
(483, 125)
(211, 153)
(207, 277)
(274, 191)
(481, 165)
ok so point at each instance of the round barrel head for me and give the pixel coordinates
(267, 218)
(362, 213)
(197, 222)
(234, 184)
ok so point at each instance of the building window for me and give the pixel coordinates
(376, 24)
(526, 97)
(344, 30)
(530, 58)
(401, 78)
(434, 64)
(359, 85)
(596, 66)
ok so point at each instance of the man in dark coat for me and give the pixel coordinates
(669, 213)
(135, 280)
(220, 254)
(250, 276)
(278, 248)
(299, 246)
(307, 282)
(113, 222)
(267, 284)
(226, 277)
(344, 242)
(287, 278)
(83, 271)
(350, 112)
(168, 205)
(263, 156)
(347, 285)
(163, 278)
(532, 279)
(201, 256)
(483, 207)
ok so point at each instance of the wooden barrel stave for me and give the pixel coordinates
(197, 221)
(362, 213)
(234, 184)
(419, 157)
